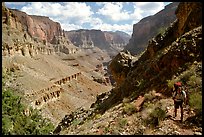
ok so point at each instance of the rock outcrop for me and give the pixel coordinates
(120, 66)
(150, 26)
(189, 16)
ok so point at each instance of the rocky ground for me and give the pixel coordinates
(116, 122)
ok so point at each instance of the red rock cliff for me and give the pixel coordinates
(39, 26)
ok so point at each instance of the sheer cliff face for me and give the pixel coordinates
(25, 34)
(149, 27)
(98, 38)
(88, 38)
(39, 26)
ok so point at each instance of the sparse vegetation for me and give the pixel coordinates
(183, 40)
(76, 122)
(192, 79)
(162, 30)
(123, 122)
(149, 96)
(155, 117)
(15, 122)
(129, 108)
(195, 102)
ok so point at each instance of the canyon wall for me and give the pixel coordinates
(110, 41)
(29, 35)
(150, 26)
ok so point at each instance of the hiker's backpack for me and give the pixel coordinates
(181, 96)
(183, 92)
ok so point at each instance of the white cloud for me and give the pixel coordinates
(113, 10)
(71, 12)
(95, 22)
(137, 14)
(148, 8)
(109, 27)
(74, 15)
(69, 27)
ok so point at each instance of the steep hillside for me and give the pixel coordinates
(150, 26)
(166, 56)
(141, 102)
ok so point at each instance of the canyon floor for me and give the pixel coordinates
(36, 79)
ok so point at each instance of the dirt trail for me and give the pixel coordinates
(181, 127)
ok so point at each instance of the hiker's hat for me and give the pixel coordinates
(178, 84)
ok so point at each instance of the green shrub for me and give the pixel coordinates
(194, 81)
(148, 96)
(126, 100)
(76, 122)
(155, 117)
(15, 122)
(129, 108)
(183, 40)
(123, 122)
(97, 116)
(170, 83)
(148, 105)
(195, 101)
(107, 129)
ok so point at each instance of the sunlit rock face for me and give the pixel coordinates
(113, 42)
(150, 26)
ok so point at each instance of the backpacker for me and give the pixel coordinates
(182, 96)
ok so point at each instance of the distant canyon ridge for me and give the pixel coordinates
(50, 32)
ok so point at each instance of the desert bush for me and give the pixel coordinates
(149, 96)
(76, 122)
(123, 122)
(129, 108)
(170, 83)
(155, 117)
(97, 116)
(126, 100)
(194, 81)
(195, 101)
(15, 122)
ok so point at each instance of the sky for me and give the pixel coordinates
(105, 16)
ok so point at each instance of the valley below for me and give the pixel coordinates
(58, 84)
